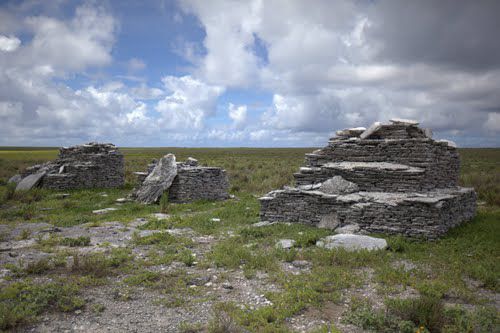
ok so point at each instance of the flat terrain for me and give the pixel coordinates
(205, 267)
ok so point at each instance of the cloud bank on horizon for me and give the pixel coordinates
(245, 73)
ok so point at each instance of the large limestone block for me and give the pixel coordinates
(158, 180)
(352, 242)
(338, 185)
(30, 181)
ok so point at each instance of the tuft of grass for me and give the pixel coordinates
(75, 242)
(38, 267)
(21, 302)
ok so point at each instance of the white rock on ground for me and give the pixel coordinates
(351, 242)
(262, 224)
(161, 216)
(104, 210)
(285, 243)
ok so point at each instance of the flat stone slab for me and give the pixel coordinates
(104, 210)
(351, 132)
(27, 183)
(449, 143)
(401, 121)
(262, 224)
(386, 166)
(352, 242)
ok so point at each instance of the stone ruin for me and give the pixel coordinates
(390, 178)
(91, 165)
(181, 181)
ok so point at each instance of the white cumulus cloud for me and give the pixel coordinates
(190, 102)
(9, 44)
(238, 114)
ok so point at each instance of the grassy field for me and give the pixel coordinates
(450, 276)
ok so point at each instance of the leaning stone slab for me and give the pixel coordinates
(158, 180)
(352, 242)
(370, 130)
(30, 181)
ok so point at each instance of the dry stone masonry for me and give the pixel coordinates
(183, 181)
(390, 178)
(91, 165)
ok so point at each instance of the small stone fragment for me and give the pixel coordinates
(227, 285)
(191, 162)
(15, 179)
(161, 216)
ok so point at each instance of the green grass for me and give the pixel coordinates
(21, 302)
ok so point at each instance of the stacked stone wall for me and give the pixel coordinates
(90, 165)
(409, 214)
(440, 161)
(389, 178)
(199, 183)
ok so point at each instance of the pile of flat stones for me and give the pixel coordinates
(91, 165)
(181, 181)
(390, 178)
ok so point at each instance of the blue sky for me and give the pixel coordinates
(245, 73)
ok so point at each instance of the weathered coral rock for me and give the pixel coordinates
(406, 183)
(91, 165)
